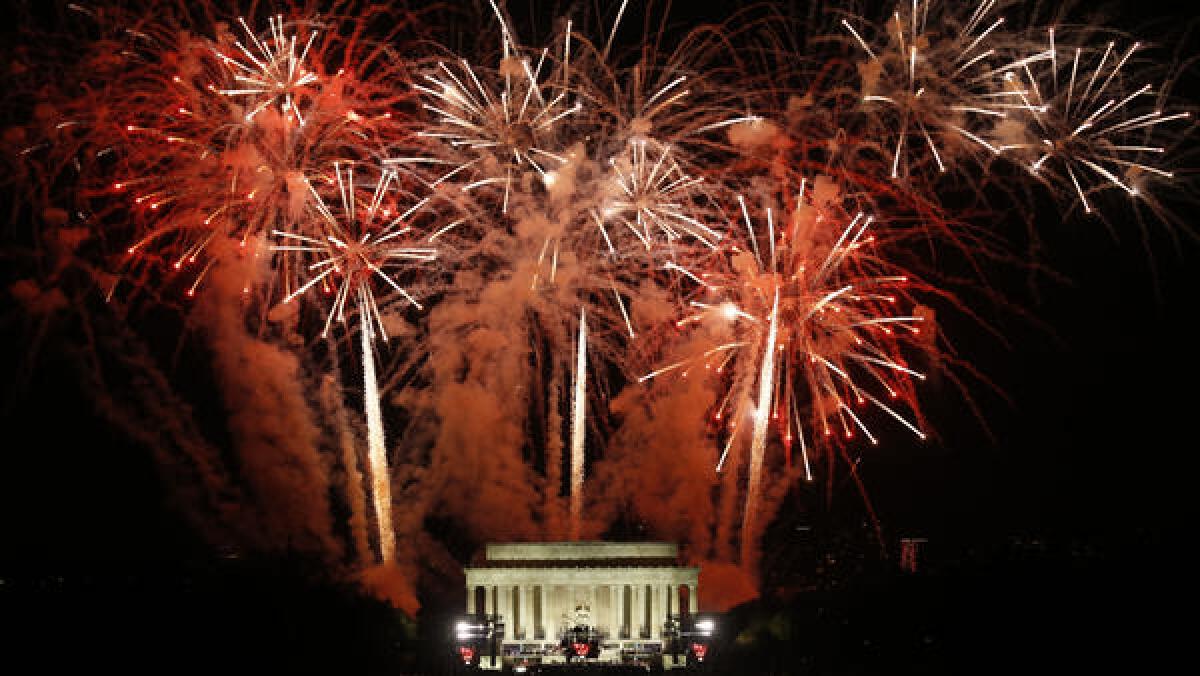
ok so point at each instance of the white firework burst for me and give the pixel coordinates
(272, 72)
(356, 250)
(931, 89)
(1087, 123)
(653, 197)
(505, 130)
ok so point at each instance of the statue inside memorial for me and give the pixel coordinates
(583, 616)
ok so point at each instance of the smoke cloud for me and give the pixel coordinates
(271, 422)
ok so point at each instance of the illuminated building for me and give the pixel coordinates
(594, 602)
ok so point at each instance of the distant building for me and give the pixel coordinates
(601, 602)
(910, 554)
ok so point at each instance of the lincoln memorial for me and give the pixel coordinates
(624, 593)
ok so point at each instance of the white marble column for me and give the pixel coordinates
(544, 622)
(470, 600)
(693, 600)
(676, 600)
(614, 622)
(656, 611)
(489, 599)
(636, 612)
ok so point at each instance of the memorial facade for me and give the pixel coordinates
(625, 593)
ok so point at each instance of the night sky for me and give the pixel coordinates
(1087, 446)
(1100, 383)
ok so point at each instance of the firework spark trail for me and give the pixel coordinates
(758, 442)
(578, 428)
(380, 478)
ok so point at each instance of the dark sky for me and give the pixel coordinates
(1094, 444)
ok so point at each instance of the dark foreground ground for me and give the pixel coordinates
(1018, 607)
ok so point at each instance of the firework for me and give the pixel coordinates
(655, 197)
(354, 253)
(596, 191)
(503, 129)
(272, 73)
(1087, 125)
(219, 135)
(808, 339)
(350, 254)
(931, 87)
(591, 215)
